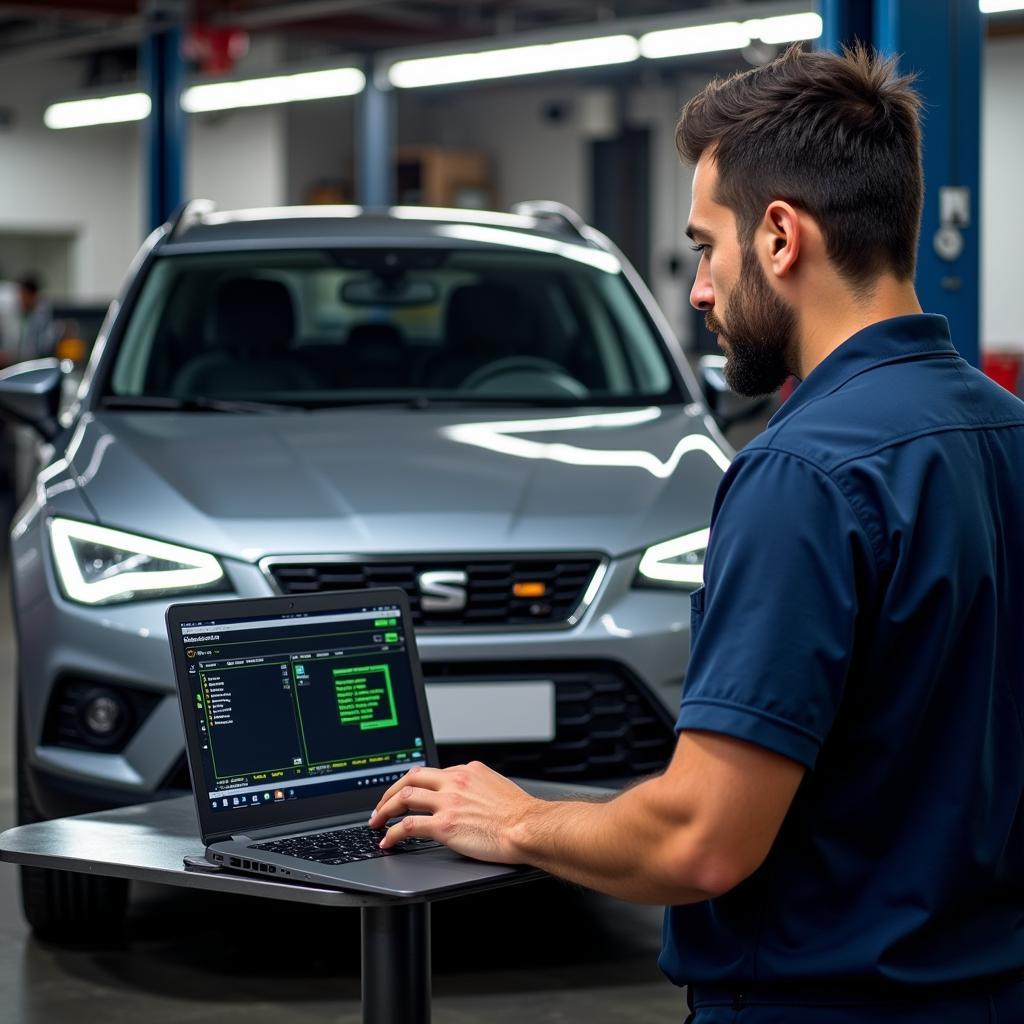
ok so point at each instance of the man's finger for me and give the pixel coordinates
(409, 798)
(423, 777)
(416, 825)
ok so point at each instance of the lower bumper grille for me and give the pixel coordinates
(607, 725)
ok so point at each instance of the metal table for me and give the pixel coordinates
(147, 843)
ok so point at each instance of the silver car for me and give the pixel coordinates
(485, 409)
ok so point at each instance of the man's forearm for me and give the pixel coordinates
(624, 847)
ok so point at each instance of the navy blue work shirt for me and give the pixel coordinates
(863, 615)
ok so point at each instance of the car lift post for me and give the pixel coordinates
(375, 130)
(164, 135)
(941, 42)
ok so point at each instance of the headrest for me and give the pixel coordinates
(255, 316)
(490, 319)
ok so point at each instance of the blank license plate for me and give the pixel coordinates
(492, 712)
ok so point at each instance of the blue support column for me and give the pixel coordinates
(941, 42)
(375, 130)
(164, 71)
(845, 21)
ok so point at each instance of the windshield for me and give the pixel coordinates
(337, 327)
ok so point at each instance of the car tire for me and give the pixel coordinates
(65, 906)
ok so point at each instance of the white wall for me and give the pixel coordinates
(90, 182)
(83, 182)
(1002, 195)
(238, 158)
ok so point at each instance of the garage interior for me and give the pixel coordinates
(77, 199)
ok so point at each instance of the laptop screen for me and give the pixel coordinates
(289, 707)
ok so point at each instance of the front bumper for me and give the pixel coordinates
(642, 634)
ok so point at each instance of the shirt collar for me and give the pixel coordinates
(900, 338)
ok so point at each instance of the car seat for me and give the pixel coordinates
(484, 323)
(254, 325)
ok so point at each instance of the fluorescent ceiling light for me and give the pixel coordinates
(517, 60)
(133, 106)
(788, 28)
(677, 42)
(730, 35)
(259, 92)
(998, 6)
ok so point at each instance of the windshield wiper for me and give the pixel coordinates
(162, 404)
(421, 402)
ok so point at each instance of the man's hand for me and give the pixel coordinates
(470, 808)
(686, 835)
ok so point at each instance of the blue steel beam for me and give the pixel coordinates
(375, 132)
(941, 42)
(164, 137)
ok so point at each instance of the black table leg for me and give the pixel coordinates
(396, 964)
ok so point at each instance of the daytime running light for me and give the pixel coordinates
(661, 561)
(196, 568)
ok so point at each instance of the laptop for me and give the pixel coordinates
(299, 713)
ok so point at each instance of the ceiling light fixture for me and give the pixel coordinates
(730, 35)
(134, 106)
(513, 61)
(260, 92)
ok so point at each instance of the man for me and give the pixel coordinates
(839, 836)
(37, 336)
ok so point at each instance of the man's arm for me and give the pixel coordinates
(689, 834)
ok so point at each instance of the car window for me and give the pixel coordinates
(335, 326)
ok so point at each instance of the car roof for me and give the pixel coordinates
(396, 225)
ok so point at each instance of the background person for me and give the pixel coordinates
(37, 335)
(839, 836)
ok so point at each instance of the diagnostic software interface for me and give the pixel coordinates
(301, 705)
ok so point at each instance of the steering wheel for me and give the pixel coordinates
(485, 376)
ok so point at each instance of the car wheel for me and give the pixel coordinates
(65, 906)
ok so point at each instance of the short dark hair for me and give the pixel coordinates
(836, 135)
(31, 282)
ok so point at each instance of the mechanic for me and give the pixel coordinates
(839, 836)
(38, 332)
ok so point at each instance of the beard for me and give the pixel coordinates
(760, 333)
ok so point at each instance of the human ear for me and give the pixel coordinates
(781, 225)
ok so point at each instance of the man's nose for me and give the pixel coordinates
(702, 295)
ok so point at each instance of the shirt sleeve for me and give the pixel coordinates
(773, 628)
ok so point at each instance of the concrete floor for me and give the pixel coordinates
(544, 953)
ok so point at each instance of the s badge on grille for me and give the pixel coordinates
(442, 590)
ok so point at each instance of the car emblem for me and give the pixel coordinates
(442, 590)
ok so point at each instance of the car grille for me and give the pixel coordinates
(490, 598)
(607, 725)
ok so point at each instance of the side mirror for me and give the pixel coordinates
(30, 393)
(726, 406)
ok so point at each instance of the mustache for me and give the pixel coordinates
(713, 324)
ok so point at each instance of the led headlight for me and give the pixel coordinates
(678, 562)
(97, 565)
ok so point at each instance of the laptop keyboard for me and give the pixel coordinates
(342, 846)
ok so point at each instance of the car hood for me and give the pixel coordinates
(387, 481)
